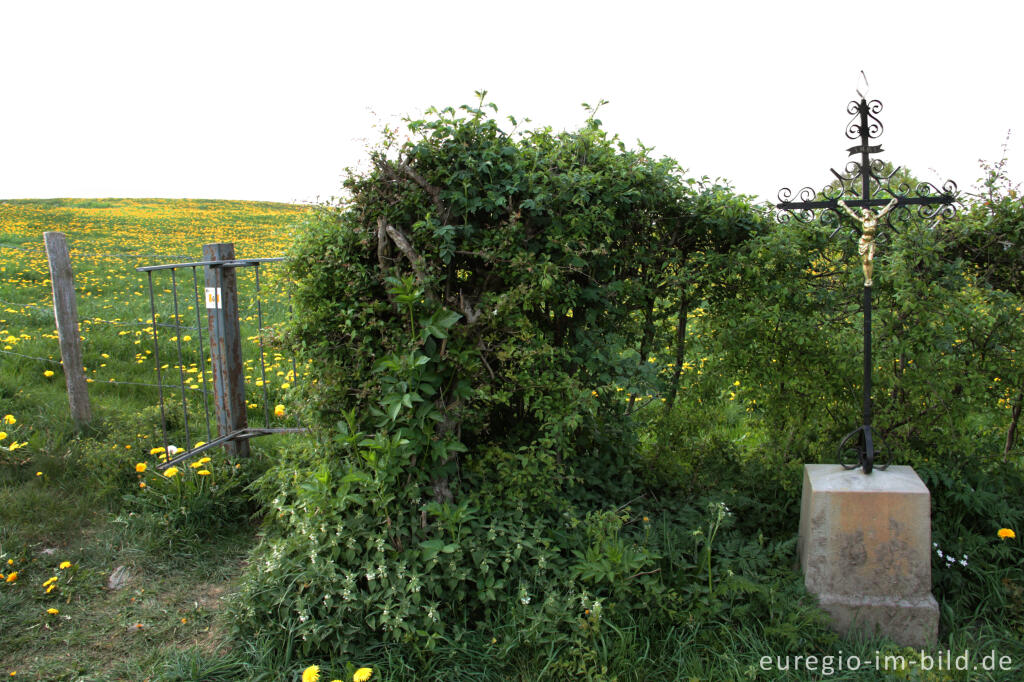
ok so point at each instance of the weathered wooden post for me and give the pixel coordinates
(65, 314)
(225, 344)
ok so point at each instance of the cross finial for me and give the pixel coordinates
(862, 85)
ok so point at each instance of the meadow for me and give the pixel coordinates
(62, 487)
(78, 503)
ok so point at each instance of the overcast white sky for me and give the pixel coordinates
(271, 101)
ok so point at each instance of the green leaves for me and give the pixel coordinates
(458, 312)
(438, 324)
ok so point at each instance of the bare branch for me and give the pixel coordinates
(402, 242)
(410, 174)
(467, 310)
(483, 358)
(434, 192)
(637, 575)
(382, 245)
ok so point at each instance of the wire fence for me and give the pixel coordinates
(223, 384)
(77, 253)
(192, 338)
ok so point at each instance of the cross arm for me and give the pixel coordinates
(833, 204)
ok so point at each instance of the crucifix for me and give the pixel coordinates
(876, 189)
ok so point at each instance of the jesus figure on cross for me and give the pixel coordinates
(866, 246)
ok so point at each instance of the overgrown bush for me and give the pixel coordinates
(472, 312)
(946, 334)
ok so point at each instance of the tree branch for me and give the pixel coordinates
(382, 245)
(434, 192)
(467, 310)
(402, 242)
(406, 171)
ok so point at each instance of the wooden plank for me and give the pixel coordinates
(65, 314)
(225, 345)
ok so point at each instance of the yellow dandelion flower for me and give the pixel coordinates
(311, 674)
(171, 473)
(3, 434)
(279, 411)
(9, 419)
(50, 581)
(203, 472)
(11, 577)
(48, 373)
(1005, 533)
(204, 460)
(156, 451)
(50, 589)
(64, 564)
(199, 444)
(52, 612)
(140, 467)
(362, 675)
(142, 484)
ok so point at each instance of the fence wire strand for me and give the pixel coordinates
(27, 305)
(88, 380)
(31, 357)
(90, 254)
(21, 248)
(254, 305)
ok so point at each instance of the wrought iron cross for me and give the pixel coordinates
(876, 190)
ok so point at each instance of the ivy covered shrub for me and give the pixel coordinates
(946, 332)
(472, 311)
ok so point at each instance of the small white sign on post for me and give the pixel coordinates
(213, 297)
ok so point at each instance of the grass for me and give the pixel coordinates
(71, 495)
(172, 600)
(73, 509)
(108, 239)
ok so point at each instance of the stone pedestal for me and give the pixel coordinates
(865, 551)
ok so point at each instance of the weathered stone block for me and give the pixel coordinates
(865, 550)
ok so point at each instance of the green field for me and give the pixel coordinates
(78, 503)
(61, 488)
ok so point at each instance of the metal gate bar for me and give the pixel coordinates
(263, 367)
(202, 355)
(156, 355)
(222, 382)
(181, 360)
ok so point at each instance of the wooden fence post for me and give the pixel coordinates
(225, 345)
(65, 314)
